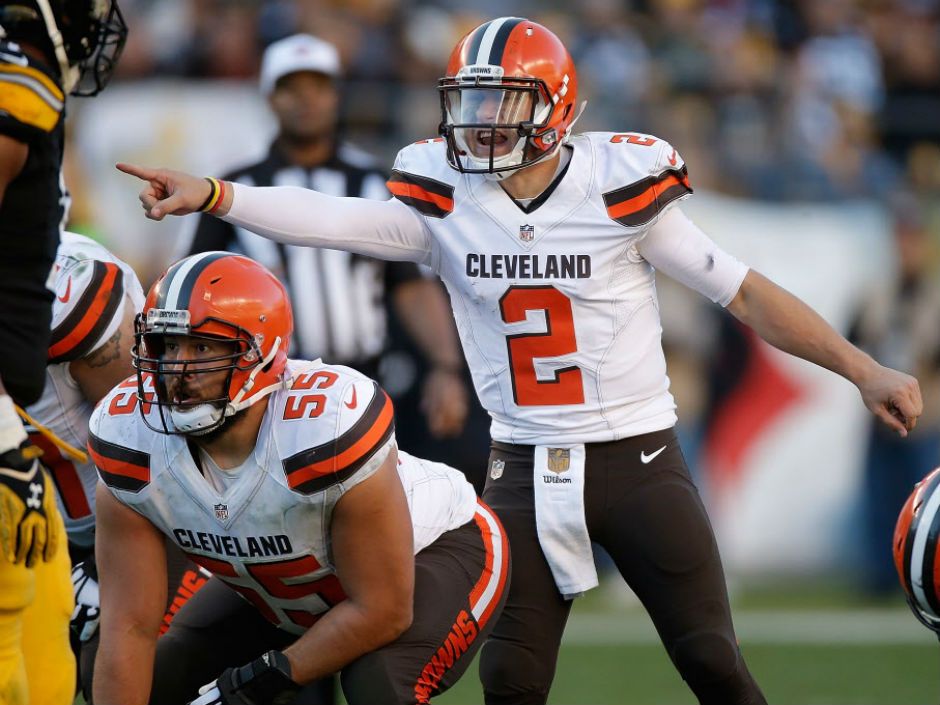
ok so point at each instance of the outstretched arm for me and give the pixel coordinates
(295, 216)
(787, 323)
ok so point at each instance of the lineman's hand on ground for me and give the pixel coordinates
(894, 397)
(29, 530)
(168, 192)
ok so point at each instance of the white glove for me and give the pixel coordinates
(87, 611)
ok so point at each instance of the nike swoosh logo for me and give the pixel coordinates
(68, 292)
(351, 404)
(672, 157)
(645, 459)
(18, 59)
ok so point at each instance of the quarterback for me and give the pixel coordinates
(548, 242)
(330, 550)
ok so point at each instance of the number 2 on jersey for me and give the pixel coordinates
(567, 387)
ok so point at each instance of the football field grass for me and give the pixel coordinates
(804, 647)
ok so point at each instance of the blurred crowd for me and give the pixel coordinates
(773, 99)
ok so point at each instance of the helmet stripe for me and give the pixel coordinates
(473, 43)
(930, 586)
(501, 38)
(917, 543)
(182, 277)
(492, 40)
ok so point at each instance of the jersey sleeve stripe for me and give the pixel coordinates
(87, 321)
(120, 467)
(639, 203)
(425, 195)
(315, 469)
(26, 96)
(44, 85)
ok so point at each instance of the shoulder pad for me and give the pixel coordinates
(89, 284)
(328, 425)
(640, 176)
(118, 440)
(422, 179)
(30, 99)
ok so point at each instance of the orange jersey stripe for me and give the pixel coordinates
(119, 467)
(638, 203)
(355, 452)
(399, 188)
(92, 314)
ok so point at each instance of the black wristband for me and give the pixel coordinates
(264, 681)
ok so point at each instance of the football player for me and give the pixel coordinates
(548, 242)
(97, 297)
(48, 49)
(917, 551)
(330, 551)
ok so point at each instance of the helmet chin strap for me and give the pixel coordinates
(241, 400)
(203, 418)
(70, 74)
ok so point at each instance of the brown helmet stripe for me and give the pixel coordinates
(489, 43)
(177, 287)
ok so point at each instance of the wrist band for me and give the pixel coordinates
(218, 202)
(213, 198)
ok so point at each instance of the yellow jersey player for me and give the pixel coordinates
(46, 52)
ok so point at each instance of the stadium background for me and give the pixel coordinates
(811, 133)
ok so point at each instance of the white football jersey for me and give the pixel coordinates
(268, 535)
(92, 287)
(556, 309)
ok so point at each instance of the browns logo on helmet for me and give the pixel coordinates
(508, 99)
(917, 550)
(215, 296)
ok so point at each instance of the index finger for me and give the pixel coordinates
(141, 172)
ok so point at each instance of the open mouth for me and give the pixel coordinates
(493, 138)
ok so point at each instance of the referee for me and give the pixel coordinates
(338, 297)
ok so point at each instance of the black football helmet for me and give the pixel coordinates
(83, 37)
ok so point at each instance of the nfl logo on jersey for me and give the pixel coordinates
(526, 233)
(221, 512)
(496, 469)
(559, 459)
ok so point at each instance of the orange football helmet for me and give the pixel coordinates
(917, 550)
(508, 99)
(217, 296)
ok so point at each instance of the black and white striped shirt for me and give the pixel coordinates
(338, 297)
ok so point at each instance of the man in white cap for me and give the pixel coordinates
(338, 297)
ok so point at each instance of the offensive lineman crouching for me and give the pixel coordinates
(283, 479)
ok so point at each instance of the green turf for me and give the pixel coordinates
(806, 644)
(789, 675)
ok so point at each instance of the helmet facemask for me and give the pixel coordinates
(168, 375)
(494, 125)
(87, 38)
(96, 47)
